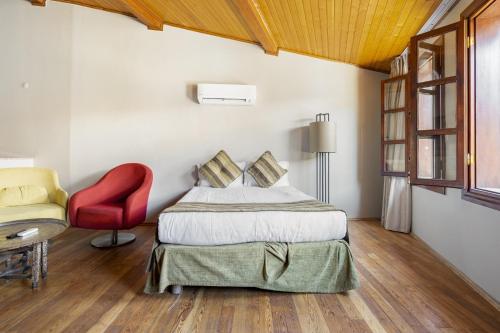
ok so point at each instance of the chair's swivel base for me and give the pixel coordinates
(176, 289)
(113, 240)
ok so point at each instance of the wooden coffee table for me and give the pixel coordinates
(21, 248)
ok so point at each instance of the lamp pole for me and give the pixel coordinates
(323, 143)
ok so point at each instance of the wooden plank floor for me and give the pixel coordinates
(404, 289)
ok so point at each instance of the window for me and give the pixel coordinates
(436, 79)
(483, 173)
(394, 119)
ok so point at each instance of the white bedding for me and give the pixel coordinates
(215, 228)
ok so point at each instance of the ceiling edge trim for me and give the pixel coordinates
(73, 2)
(444, 8)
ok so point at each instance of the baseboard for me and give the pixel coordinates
(363, 219)
(150, 221)
(464, 277)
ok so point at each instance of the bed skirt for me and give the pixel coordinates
(316, 267)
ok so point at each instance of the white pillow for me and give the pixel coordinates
(283, 181)
(203, 182)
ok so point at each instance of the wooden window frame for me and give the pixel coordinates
(459, 128)
(383, 142)
(471, 192)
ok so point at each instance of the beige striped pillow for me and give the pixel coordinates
(266, 171)
(220, 171)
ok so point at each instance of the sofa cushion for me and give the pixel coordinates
(38, 211)
(23, 195)
(101, 216)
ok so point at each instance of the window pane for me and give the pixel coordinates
(437, 157)
(437, 57)
(394, 157)
(487, 90)
(394, 126)
(437, 106)
(394, 95)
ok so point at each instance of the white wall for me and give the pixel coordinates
(466, 234)
(35, 49)
(131, 99)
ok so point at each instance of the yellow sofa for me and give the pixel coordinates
(55, 205)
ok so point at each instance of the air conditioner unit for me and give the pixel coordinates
(228, 94)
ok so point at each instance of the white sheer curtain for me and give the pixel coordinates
(396, 200)
(395, 153)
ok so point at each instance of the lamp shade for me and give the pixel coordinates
(322, 137)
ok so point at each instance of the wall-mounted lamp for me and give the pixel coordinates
(322, 141)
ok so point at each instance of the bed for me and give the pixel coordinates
(270, 238)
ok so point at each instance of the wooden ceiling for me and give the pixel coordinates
(367, 33)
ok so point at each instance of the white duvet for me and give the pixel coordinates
(195, 228)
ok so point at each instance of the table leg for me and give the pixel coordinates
(44, 258)
(35, 267)
(25, 262)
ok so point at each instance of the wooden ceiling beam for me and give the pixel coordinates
(253, 17)
(38, 3)
(144, 13)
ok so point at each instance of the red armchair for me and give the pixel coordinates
(117, 201)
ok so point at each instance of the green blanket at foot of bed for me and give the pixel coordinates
(318, 267)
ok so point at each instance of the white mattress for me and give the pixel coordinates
(216, 228)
